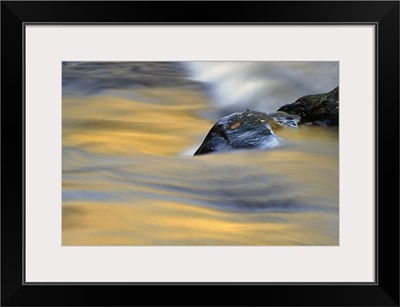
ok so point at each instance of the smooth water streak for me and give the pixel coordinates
(129, 177)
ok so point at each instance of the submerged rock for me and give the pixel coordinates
(245, 130)
(321, 109)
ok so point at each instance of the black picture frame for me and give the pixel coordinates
(383, 14)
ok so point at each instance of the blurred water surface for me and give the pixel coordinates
(129, 177)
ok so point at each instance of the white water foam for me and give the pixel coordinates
(262, 86)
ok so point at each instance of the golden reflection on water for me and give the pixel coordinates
(166, 223)
(122, 126)
(152, 133)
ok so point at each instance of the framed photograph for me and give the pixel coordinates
(200, 153)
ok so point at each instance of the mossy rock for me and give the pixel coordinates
(320, 109)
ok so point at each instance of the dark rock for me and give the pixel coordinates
(321, 109)
(253, 129)
(245, 130)
(285, 119)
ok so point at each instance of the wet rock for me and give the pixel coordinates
(245, 130)
(285, 119)
(321, 109)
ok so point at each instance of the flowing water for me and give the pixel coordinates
(130, 178)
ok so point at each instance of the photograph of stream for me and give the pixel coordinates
(200, 153)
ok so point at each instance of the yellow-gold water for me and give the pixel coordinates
(129, 177)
